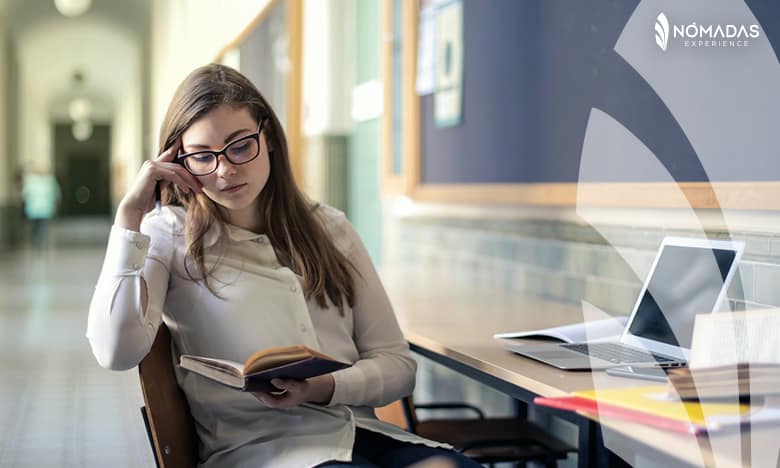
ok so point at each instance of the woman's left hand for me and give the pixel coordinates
(315, 390)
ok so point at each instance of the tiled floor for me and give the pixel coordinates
(58, 408)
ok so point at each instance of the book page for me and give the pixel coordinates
(595, 330)
(275, 357)
(738, 337)
(191, 362)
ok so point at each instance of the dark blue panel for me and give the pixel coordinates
(533, 70)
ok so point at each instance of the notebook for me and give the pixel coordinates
(688, 277)
(654, 407)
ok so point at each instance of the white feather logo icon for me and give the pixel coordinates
(662, 31)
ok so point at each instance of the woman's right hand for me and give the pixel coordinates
(140, 198)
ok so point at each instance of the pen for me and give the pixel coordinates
(157, 197)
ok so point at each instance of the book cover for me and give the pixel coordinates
(300, 370)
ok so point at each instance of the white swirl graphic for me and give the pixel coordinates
(662, 31)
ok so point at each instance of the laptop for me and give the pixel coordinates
(688, 277)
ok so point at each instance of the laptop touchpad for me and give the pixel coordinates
(562, 354)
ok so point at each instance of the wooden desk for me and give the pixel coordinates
(454, 326)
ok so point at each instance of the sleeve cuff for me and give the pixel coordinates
(126, 252)
(346, 383)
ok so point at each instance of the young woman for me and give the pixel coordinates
(239, 260)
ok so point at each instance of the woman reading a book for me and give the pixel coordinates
(239, 260)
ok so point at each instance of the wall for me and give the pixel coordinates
(10, 197)
(5, 169)
(178, 44)
(9, 212)
(363, 199)
(328, 77)
(567, 259)
(328, 65)
(127, 149)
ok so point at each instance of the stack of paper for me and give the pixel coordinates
(751, 336)
(729, 381)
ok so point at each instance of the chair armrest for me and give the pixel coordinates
(450, 406)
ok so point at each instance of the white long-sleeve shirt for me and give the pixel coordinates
(262, 306)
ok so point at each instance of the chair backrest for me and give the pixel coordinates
(171, 426)
(393, 414)
(400, 412)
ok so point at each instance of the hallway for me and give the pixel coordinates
(57, 406)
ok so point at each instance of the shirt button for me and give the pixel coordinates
(293, 288)
(302, 327)
(136, 266)
(139, 244)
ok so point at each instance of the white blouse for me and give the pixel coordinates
(262, 305)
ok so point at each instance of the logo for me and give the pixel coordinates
(662, 31)
(695, 35)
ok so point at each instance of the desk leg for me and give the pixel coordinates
(521, 409)
(587, 445)
(592, 451)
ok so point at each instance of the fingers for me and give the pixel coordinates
(170, 153)
(292, 393)
(165, 172)
(282, 401)
(179, 176)
(288, 385)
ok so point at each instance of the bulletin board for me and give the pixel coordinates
(532, 73)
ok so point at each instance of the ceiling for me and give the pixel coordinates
(130, 14)
(106, 44)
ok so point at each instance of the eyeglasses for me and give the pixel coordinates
(241, 151)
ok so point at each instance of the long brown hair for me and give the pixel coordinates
(297, 234)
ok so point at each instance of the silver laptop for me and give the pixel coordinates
(688, 277)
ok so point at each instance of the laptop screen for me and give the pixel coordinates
(686, 281)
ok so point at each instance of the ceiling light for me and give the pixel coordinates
(72, 8)
(79, 109)
(81, 130)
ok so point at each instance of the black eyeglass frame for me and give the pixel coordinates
(254, 136)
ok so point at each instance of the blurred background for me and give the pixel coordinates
(455, 140)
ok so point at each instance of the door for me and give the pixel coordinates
(82, 169)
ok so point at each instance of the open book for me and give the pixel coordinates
(598, 330)
(254, 375)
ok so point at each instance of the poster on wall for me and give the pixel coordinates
(426, 48)
(448, 99)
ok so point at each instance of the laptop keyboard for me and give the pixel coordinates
(615, 352)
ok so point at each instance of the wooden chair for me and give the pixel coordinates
(169, 424)
(486, 440)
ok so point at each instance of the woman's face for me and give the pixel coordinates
(233, 187)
